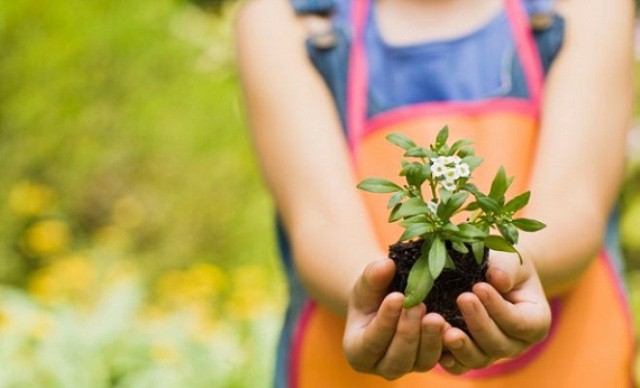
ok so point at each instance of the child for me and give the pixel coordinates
(374, 67)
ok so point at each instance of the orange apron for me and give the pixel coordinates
(591, 340)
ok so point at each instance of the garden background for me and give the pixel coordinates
(136, 239)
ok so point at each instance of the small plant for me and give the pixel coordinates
(438, 187)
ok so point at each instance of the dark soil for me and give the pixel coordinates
(449, 285)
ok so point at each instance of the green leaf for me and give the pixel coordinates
(498, 243)
(517, 203)
(472, 161)
(378, 185)
(411, 207)
(449, 227)
(488, 204)
(509, 232)
(529, 225)
(471, 232)
(478, 251)
(442, 137)
(419, 282)
(437, 257)
(499, 185)
(418, 175)
(467, 151)
(419, 152)
(444, 195)
(395, 199)
(401, 140)
(413, 220)
(455, 202)
(472, 206)
(393, 215)
(407, 168)
(449, 263)
(471, 188)
(459, 145)
(415, 230)
(460, 247)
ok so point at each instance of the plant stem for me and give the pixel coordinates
(433, 190)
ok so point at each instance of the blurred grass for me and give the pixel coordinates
(132, 208)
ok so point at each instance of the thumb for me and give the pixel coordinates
(505, 271)
(372, 285)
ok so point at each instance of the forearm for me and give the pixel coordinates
(580, 157)
(562, 251)
(330, 252)
(303, 153)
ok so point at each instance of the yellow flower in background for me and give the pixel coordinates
(46, 237)
(70, 277)
(31, 199)
(201, 281)
(168, 287)
(4, 321)
(208, 278)
(248, 303)
(251, 294)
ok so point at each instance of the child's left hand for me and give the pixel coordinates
(505, 316)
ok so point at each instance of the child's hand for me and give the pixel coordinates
(505, 317)
(383, 338)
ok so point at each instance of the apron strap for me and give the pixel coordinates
(357, 77)
(526, 48)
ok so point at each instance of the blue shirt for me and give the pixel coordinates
(457, 69)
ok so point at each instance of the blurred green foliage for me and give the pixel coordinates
(131, 204)
(136, 102)
(124, 160)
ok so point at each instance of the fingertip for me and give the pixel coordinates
(380, 268)
(453, 335)
(386, 263)
(378, 274)
(434, 319)
(466, 297)
(500, 279)
(433, 323)
(482, 291)
(394, 301)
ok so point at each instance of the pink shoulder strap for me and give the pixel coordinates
(356, 111)
(526, 47)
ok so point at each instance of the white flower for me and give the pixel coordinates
(443, 160)
(438, 169)
(433, 207)
(463, 170)
(449, 185)
(451, 174)
(456, 159)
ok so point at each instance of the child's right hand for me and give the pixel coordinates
(380, 336)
